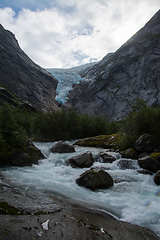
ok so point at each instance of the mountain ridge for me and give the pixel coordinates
(22, 77)
(113, 84)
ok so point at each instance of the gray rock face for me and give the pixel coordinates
(95, 179)
(25, 79)
(113, 84)
(84, 160)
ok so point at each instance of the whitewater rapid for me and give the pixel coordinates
(134, 197)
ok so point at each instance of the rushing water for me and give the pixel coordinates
(134, 197)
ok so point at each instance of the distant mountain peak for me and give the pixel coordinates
(119, 78)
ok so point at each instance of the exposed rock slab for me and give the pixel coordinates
(52, 217)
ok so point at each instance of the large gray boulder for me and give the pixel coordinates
(149, 163)
(62, 147)
(95, 179)
(84, 160)
(145, 143)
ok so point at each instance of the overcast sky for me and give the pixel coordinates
(66, 33)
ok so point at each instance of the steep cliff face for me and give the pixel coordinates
(22, 77)
(113, 84)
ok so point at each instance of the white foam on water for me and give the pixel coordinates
(134, 197)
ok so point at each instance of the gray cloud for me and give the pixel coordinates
(69, 33)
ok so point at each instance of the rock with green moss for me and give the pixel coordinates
(129, 153)
(25, 156)
(101, 141)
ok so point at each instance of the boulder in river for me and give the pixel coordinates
(84, 160)
(126, 164)
(25, 156)
(62, 147)
(149, 163)
(95, 179)
(107, 158)
(145, 143)
(157, 178)
(129, 153)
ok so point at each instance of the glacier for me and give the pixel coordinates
(66, 78)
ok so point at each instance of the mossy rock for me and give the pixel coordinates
(7, 209)
(25, 156)
(101, 141)
(129, 153)
(156, 156)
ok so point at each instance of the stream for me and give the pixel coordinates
(134, 197)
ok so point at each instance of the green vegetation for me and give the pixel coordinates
(142, 119)
(16, 123)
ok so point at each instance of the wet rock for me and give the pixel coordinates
(144, 171)
(129, 153)
(157, 178)
(126, 164)
(106, 158)
(143, 155)
(95, 179)
(62, 147)
(84, 160)
(145, 143)
(149, 163)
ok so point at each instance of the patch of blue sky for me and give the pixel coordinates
(33, 5)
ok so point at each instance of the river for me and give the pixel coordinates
(134, 197)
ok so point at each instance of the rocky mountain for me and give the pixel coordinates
(24, 79)
(112, 85)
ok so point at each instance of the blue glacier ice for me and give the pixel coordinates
(66, 78)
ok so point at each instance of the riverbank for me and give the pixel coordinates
(46, 216)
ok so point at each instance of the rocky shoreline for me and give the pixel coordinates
(25, 214)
